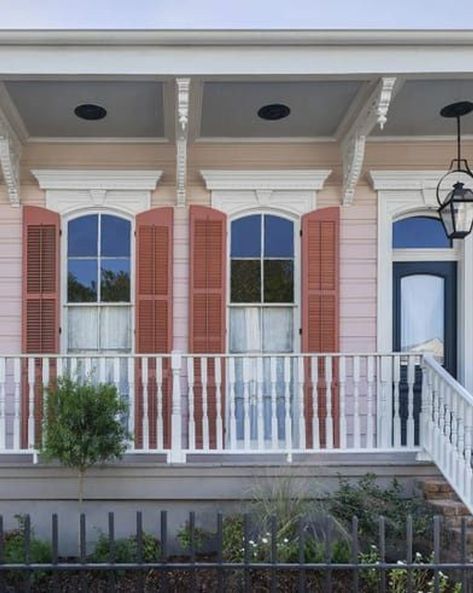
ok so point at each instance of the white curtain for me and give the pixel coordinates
(93, 328)
(422, 314)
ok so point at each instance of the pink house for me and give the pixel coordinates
(240, 231)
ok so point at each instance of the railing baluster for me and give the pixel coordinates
(369, 403)
(3, 414)
(314, 380)
(356, 403)
(31, 385)
(246, 404)
(190, 383)
(16, 402)
(300, 391)
(396, 361)
(205, 403)
(274, 405)
(287, 402)
(410, 401)
(259, 404)
(218, 402)
(145, 417)
(232, 402)
(159, 403)
(328, 403)
(342, 371)
(131, 398)
(468, 444)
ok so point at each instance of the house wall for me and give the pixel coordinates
(358, 222)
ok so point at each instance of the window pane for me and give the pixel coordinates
(278, 281)
(82, 324)
(115, 328)
(419, 232)
(278, 237)
(278, 332)
(115, 281)
(422, 314)
(246, 236)
(82, 236)
(115, 236)
(245, 329)
(82, 281)
(246, 281)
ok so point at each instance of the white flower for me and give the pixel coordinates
(285, 540)
(264, 540)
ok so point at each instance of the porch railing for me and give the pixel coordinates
(183, 404)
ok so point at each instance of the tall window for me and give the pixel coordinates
(98, 284)
(262, 284)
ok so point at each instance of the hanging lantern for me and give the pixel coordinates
(454, 193)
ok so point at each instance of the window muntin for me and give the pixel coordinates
(420, 232)
(262, 260)
(98, 284)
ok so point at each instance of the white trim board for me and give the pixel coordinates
(401, 193)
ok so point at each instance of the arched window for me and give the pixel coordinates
(261, 284)
(420, 232)
(98, 283)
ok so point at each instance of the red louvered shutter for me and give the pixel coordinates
(40, 291)
(207, 312)
(154, 280)
(320, 303)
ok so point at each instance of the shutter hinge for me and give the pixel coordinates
(60, 232)
(60, 330)
(300, 233)
(300, 331)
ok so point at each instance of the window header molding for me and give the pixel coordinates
(73, 190)
(289, 191)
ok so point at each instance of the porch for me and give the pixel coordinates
(245, 408)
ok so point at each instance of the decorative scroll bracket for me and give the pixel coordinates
(372, 112)
(182, 132)
(10, 155)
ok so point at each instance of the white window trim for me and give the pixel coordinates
(409, 193)
(63, 267)
(296, 306)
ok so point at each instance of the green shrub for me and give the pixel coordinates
(83, 425)
(14, 546)
(201, 538)
(125, 550)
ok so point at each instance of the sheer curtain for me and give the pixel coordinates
(253, 331)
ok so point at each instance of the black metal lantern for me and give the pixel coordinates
(454, 195)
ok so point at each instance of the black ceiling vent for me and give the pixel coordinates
(274, 111)
(90, 112)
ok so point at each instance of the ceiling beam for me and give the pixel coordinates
(10, 155)
(372, 111)
(182, 133)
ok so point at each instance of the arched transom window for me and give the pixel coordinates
(98, 283)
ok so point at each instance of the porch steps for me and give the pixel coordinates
(443, 500)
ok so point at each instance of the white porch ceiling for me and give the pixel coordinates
(229, 109)
(134, 108)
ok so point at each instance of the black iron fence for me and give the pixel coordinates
(307, 557)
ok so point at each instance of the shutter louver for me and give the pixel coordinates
(320, 304)
(207, 305)
(40, 313)
(154, 280)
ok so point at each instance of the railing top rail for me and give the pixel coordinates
(82, 356)
(430, 361)
(303, 354)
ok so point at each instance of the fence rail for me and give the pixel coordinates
(218, 569)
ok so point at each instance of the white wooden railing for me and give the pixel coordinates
(183, 404)
(447, 424)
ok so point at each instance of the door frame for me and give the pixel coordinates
(443, 269)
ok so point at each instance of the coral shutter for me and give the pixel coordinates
(207, 312)
(40, 313)
(153, 306)
(320, 303)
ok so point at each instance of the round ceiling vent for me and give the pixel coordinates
(90, 112)
(274, 111)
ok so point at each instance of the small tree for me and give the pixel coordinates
(82, 425)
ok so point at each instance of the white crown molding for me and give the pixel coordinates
(405, 180)
(97, 179)
(304, 179)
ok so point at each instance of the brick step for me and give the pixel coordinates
(433, 489)
(449, 508)
(455, 532)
